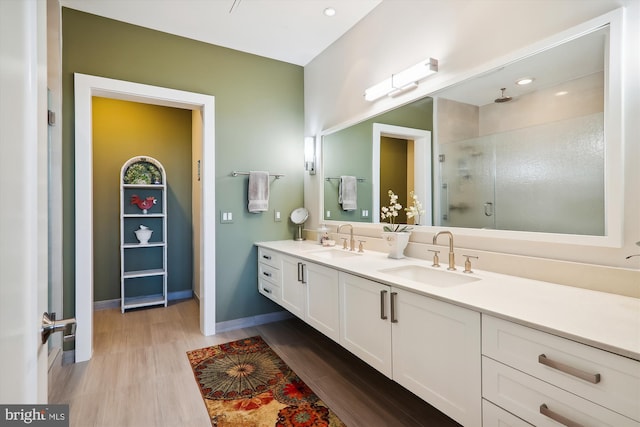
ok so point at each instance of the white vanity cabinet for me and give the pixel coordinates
(310, 291)
(365, 328)
(545, 379)
(428, 346)
(435, 354)
(270, 274)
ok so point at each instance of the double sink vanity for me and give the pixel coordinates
(486, 349)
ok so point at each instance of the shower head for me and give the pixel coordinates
(502, 97)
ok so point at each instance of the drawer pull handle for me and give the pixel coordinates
(267, 290)
(544, 410)
(592, 378)
(268, 257)
(394, 319)
(266, 274)
(383, 295)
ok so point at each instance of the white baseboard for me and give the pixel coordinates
(115, 303)
(247, 322)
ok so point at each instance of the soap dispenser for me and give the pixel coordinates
(323, 234)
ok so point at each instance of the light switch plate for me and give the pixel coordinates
(277, 217)
(226, 217)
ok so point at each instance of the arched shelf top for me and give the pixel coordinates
(143, 170)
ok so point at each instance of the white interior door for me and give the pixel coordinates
(23, 201)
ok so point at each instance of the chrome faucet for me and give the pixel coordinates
(452, 259)
(352, 241)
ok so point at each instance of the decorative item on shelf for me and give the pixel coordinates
(143, 234)
(144, 204)
(396, 235)
(142, 173)
(415, 210)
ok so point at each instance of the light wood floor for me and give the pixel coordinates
(139, 375)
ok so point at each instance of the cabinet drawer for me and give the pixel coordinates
(269, 290)
(538, 402)
(269, 273)
(494, 416)
(607, 379)
(269, 257)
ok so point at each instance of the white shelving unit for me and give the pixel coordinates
(143, 266)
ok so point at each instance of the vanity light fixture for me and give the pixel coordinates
(403, 81)
(524, 81)
(310, 155)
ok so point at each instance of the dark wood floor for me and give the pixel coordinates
(140, 376)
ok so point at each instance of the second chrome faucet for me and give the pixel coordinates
(452, 259)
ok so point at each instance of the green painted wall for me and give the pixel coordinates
(122, 130)
(259, 125)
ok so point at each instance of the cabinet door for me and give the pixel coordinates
(293, 289)
(365, 329)
(436, 354)
(323, 311)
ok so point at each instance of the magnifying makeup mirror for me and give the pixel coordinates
(298, 217)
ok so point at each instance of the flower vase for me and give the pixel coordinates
(397, 242)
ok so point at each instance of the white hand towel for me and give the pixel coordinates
(348, 193)
(258, 193)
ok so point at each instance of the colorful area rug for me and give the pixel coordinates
(245, 384)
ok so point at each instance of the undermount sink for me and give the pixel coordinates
(332, 253)
(429, 276)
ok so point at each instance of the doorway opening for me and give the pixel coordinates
(419, 169)
(203, 148)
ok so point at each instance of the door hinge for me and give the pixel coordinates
(441, 158)
(51, 118)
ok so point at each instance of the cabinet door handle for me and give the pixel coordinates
(544, 410)
(266, 274)
(393, 307)
(587, 376)
(383, 296)
(299, 272)
(304, 273)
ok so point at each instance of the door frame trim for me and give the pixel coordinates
(86, 87)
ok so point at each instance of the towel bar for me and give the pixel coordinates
(277, 175)
(330, 178)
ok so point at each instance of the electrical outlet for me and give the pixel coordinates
(328, 215)
(276, 216)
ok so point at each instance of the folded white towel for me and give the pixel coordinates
(348, 193)
(258, 193)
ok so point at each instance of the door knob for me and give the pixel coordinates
(51, 325)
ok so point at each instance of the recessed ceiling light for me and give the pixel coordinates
(329, 11)
(561, 93)
(524, 81)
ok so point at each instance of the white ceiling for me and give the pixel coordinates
(294, 31)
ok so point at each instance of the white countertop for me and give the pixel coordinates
(607, 321)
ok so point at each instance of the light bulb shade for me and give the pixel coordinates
(402, 81)
(415, 73)
(310, 155)
(379, 90)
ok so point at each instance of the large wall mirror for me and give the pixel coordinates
(531, 146)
